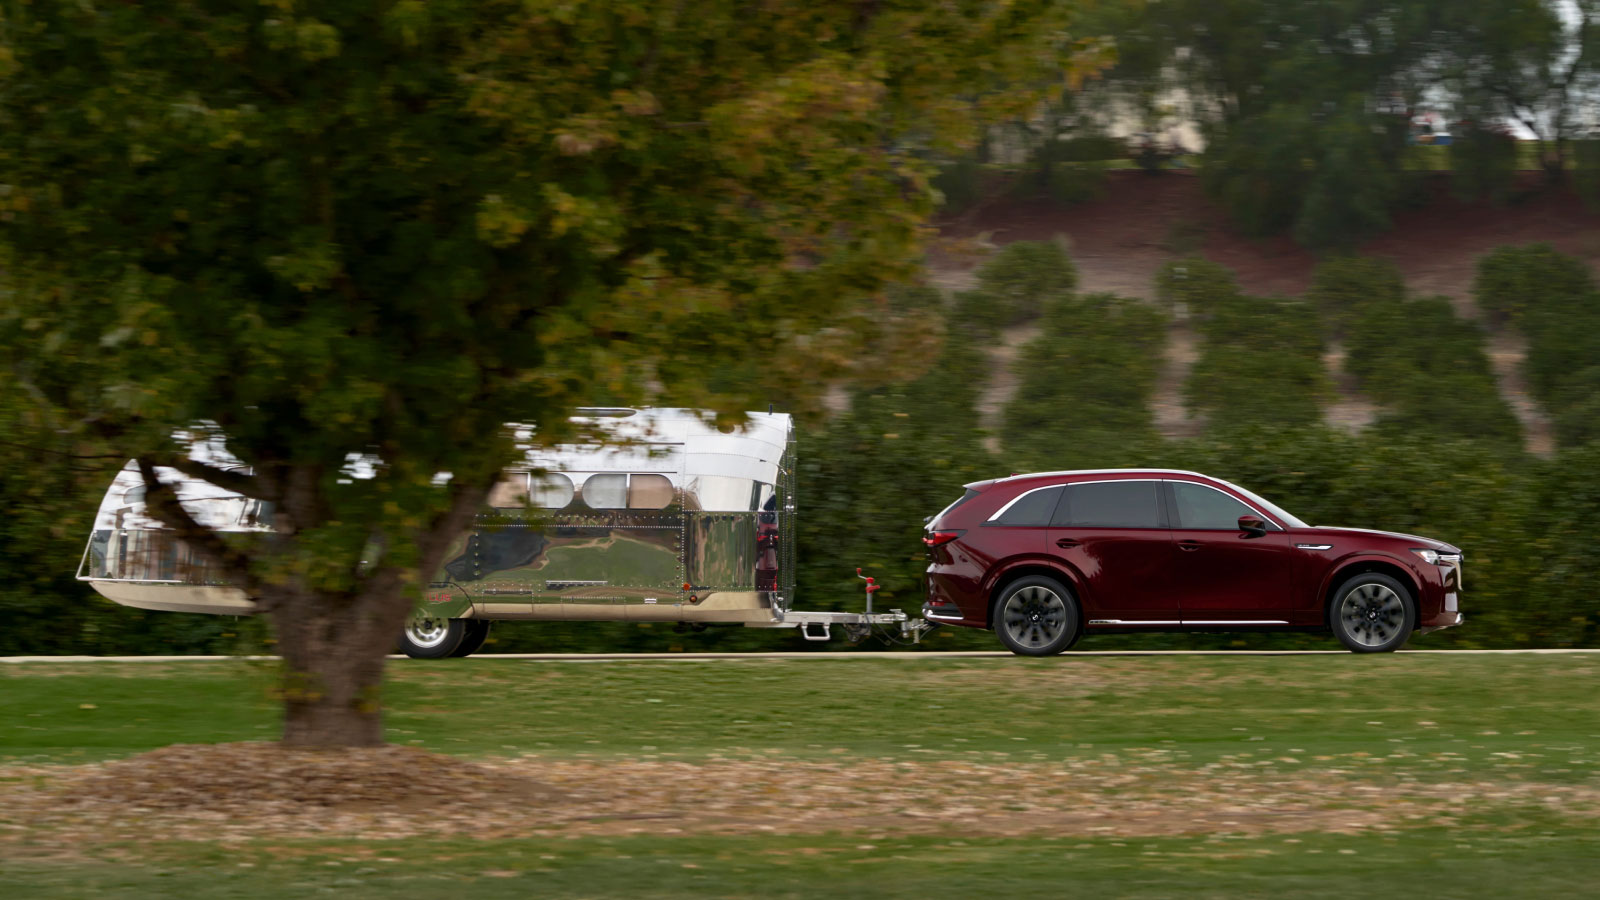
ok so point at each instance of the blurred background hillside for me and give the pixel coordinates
(1340, 253)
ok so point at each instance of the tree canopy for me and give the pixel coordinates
(386, 229)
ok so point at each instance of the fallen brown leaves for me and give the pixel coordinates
(242, 791)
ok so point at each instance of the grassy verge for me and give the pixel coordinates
(1482, 862)
(1402, 739)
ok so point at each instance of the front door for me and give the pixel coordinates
(1115, 535)
(1226, 576)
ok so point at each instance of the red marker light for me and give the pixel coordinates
(687, 585)
(937, 538)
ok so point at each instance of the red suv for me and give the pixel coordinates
(1043, 558)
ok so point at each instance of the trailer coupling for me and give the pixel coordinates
(893, 626)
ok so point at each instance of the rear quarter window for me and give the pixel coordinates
(1033, 508)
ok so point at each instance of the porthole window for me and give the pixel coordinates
(606, 491)
(628, 492)
(552, 491)
(649, 492)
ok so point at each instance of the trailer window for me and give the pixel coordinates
(649, 492)
(552, 491)
(606, 491)
(722, 493)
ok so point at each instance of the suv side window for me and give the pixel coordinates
(1033, 508)
(1200, 507)
(1112, 504)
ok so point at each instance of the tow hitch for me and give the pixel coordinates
(893, 627)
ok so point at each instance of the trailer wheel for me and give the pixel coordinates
(432, 637)
(472, 641)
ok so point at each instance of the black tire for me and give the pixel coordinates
(432, 637)
(1037, 616)
(472, 642)
(1372, 613)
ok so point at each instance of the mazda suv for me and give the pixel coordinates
(1047, 557)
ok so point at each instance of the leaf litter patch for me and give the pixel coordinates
(244, 791)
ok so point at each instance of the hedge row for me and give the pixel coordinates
(1552, 298)
(1427, 366)
(1260, 357)
(1085, 382)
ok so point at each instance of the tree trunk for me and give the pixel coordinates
(333, 653)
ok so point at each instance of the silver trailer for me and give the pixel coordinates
(671, 520)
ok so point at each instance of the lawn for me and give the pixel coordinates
(1325, 775)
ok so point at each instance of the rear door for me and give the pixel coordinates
(1225, 576)
(1114, 534)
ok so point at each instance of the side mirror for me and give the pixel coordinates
(1252, 526)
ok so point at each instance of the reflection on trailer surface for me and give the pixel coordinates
(676, 522)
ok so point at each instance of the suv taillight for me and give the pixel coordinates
(943, 536)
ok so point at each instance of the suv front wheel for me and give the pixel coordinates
(1037, 616)
(1372, 613)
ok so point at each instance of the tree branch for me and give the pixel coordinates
(228, 480)
(161, 502)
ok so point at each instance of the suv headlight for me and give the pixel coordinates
(1434, 557)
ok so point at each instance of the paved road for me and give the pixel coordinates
(845, 655)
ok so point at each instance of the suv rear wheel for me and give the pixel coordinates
(1037, 616)
(1372, 613)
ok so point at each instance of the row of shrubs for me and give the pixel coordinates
(1426, 366)
(1553, 300)
(1088, 376)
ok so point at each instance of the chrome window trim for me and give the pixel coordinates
(995, 519)
(1263, 516)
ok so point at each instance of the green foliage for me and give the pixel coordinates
(1343, 287)
(1430, 369)
(1483, 164)
(1196, 286)
(1016, 284)
(1511, 282)
(1552, 298)
(1260, 364)
(1586, 161)
(1083, 398)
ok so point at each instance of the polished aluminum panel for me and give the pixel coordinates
(680, 521)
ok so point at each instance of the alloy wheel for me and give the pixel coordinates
(1372, 614)
(1034, 616)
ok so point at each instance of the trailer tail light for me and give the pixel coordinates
(942, 537)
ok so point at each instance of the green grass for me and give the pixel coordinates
(1433, 863)
(1201, 707)
(1415, 718)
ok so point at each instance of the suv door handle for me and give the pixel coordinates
(1189, 545)
(1066, 543)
